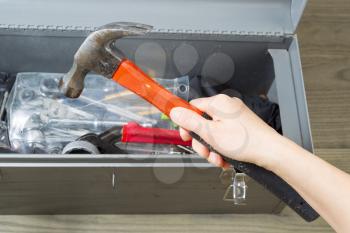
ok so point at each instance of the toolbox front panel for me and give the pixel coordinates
(39, 190)
(74, 190)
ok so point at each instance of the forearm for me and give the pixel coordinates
(324, 187)
(238, 133)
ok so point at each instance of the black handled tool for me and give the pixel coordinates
(270, 181)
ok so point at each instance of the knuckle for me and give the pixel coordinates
(194, 101)
(236, 102)
(193, 121)
(221, 98)
(182, 116)
(197, 102)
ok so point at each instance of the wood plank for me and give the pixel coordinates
(337, 157)
(160, 223)
(324, 36)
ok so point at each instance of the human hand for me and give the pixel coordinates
(235, 131)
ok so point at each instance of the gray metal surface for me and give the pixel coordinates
(53, 53)
(286, 95)
(95, 55)
(62, 190)
(291, 95)
(51, 184)
(258, 17)
(121, 160)
(300, 94)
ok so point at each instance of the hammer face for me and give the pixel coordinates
(68, 91)
(96, 54)
(72, 83)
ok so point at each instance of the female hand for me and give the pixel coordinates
(238, 133)
(235, 131)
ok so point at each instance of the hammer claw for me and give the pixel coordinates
(96, 54)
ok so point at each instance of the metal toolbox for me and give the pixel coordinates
(258, 36)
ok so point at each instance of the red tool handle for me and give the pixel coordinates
(133, 78)
(133, 132)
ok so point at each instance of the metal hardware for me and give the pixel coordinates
(120, 111)
(73, 124)
(80, 147)
(114, 180)
(186, 149)
(227, 175)
(4, 100)
(4, 142)
(238, 189)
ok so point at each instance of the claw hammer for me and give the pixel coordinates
(98, 54)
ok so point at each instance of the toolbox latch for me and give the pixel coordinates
(114, 180)
(236, 192)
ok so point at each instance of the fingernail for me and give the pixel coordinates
(217, 160)
(226, 167)
(212, 159)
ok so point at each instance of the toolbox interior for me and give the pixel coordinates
(240, 64)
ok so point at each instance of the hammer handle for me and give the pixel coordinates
(133, 78)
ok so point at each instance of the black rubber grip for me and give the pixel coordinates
(271, 182)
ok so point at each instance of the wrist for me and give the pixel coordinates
(276, 154)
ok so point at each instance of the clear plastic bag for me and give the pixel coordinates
(41, 119)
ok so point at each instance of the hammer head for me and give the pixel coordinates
(96, 54)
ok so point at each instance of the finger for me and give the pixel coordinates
(215, 105)
(200, 149)
(226, 166)
(216, 159)
(185, 135)
(191, 121)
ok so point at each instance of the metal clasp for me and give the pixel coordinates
(238, 188)
(114, 180)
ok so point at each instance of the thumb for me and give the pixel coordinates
(190, 121)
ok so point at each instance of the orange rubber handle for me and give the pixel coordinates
(133, 78)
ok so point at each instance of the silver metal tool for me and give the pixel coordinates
(3, 104)
(98, 54)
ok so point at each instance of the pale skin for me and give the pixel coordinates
(238, 133)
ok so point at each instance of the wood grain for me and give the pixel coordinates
(324, 36)
(160, 223)
(337, 157)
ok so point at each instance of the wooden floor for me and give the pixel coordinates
(324, 37)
